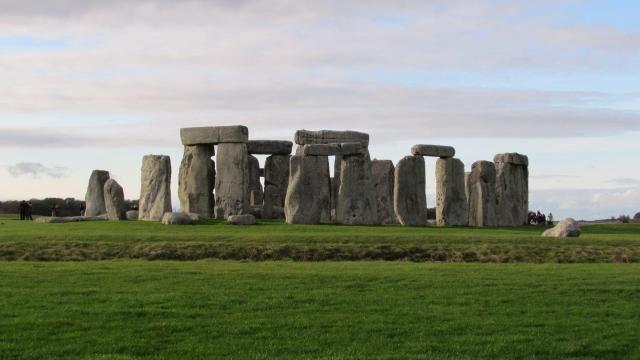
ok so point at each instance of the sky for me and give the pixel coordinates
(96, 85)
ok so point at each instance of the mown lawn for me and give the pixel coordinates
(364, 310)
(274, 240)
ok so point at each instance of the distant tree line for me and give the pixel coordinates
(42, 207)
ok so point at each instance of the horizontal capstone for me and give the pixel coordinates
(214, 135)
(434, 151)
(307, 137)
(269, 147)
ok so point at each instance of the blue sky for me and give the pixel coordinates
(92, 84)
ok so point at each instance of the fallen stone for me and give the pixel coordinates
(269, 147)
(213, 135)
(114, 201)
(256, 194)
(410, 200)
(68, 219)
(179, 218)
(276, 173)
(132, 215)
(356, 203)
(308, 192)
(245, 219)
(232, 179)
(196, 180)
(94, 199)
(512, 190)
(512, 158)
(305, 137)
(481, 190)
(565, 228)
(383, 182)
(433, 150)
(155, 194)
(321, 150)
(451, 197)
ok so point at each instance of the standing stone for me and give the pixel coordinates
(308, 193)
(335, 187)
(114, 201)
(276, 174)
(512, 189)
(383, 181)
(271, 202)
(356, 202)
(256, 193)
(232, 179)
(155, 194)
(94, 198)
(481, 184)
(196, 180)
(451, 197)
(410, 199)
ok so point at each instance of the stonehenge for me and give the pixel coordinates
(94, 199)
(383, 173)
(197, 180)
(512, 189)
(356, 203)
(155, 192)
(409, 192)
(481, 193)
(232, 179)
(308, 193)
(451, 196)
(114, 201)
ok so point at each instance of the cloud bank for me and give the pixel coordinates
(36, 170)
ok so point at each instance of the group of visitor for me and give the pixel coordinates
(26, 210)
(538, 218)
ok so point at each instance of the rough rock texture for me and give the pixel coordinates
(67, 219)
(304, 137)
(155, 193)
(256, 194)
(308, 193)
(132, 215)
(232, 179)
(213, 135)
(196, 180)
(180, 218)
(114, 201)
(245, 219)
(321, 150)
(356, 203)
(383, 181)
(94, 198)
(433, 150)
(565, 228)
(512, 189)
(410, 199)
(481, 190)
(451, 196)
(269, 147)
(272, 202)
(276, 173)
(354, 148)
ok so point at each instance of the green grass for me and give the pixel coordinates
(288, 310)
(273, 240)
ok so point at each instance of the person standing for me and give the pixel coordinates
(29, 211)
(23, 209)
(550, 219)
(54, 210)
(83, 209)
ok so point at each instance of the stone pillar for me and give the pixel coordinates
(356, 203)
(94, 199)
(383, 181)
(256, 194)
(155, 194)
(451, 197)
(232, 179)
(308, 192)
(196, 180)
(481, 185)
(114, 201)
(410, 199)
(512, 189)
(276, 180)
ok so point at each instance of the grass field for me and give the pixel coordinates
(273, 240)
(365, 310)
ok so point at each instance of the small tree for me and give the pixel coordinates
(624, 219)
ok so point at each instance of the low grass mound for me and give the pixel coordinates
(274, 240)
(287, 310)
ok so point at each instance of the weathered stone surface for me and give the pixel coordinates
(565, 228)
(213, 135)
(305, 137)
(512, 158)
(94, 199)
(180, 218)
(132, 215)
(410, 199)
(481, 190)
(353, 148)
(356, 203)
(272, 201)
(308, 193)
(433, 150)
(512, 190)
(256, 194)
(114, 201)
(451, 196)
(155, 194)
(321, 150)
(232, 179)
(269, 147)
(245, 219)
(383, 173)
(276, 173)
(218, 213)
(68, 219)
(196, 180)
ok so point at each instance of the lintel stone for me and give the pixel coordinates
(512, 158)
(214, 135)
(306, 137)
(434, 151)
(269, 147)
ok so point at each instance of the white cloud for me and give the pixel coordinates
(36, 170)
